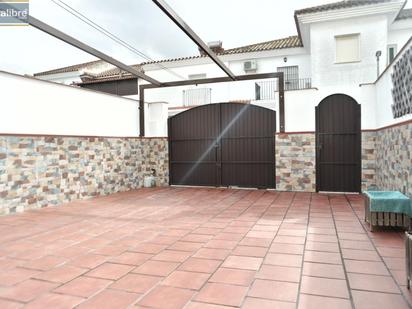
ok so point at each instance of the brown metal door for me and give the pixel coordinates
(227, 144)
(338, 144)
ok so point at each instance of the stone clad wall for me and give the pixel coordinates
(368, 160)
(295, 162)
(394, 159)
(41, 171)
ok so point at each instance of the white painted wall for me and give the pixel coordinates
(373, 37)
(31, 106)
(384, 100)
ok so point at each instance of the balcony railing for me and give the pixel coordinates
(198, 96)
(266, 90)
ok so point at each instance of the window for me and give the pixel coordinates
(197, 76)
(291, 76)
(347, 48)
(392, 51)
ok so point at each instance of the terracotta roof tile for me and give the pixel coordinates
(70, 68)
(289, 42)
(338, 5)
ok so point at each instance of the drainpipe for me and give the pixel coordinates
(378, 54)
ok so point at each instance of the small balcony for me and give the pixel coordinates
(197, 96)
(266, 90)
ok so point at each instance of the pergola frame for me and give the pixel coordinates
(193, 36)
(155, 83)
(278, 75)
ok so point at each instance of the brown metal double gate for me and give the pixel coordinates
(226, 144)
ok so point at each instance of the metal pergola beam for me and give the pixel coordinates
(278, 75)
(88, 49)
(193, 36)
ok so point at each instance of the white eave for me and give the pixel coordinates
(390, 8)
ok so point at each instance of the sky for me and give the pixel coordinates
(25, 50)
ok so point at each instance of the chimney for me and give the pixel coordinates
(215, 46)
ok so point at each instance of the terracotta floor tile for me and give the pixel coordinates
(275, 290)
(316, 302)
(234, 241)
(286, 248)
(27, 290)
(88, 260)
(250, 251)
(197, 305)
(242, 262)
(324, 287)
(136, 283)
(221, 244)
(391, 252)
(279, 273)
(394, 263)
(362, 255)
(322, 246)
(366, 267)
(61, 274)
(222, 294)
(200, 265)
(372, 283)
(55, 301)
(280, 259)
(83, 286)
(186, 280)
(186, 246)
(258, 242)
(8, 304)
(45, 262)
(110, 271)
(111, 250)
(156, 268)
(196, 238)
(259, 303)
(109, 299)
(354, 244)
(172, 256)
(130, 258)
(322, 238)
(165, 240)
(15, 275)
(323, 270)
(323, 257)
(210, 253)
(148, 248)
(261, 234)
(373, 300)
(290, 240)
(233, 276)
(166, 297)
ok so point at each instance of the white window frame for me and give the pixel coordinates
(337, 37)
(395, 47)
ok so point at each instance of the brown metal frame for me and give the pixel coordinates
(192, 35)
(278, 75)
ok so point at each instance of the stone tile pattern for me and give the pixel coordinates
(368, 160)
(41, 171)
(394, 159)
(201, 248)
(296, 161)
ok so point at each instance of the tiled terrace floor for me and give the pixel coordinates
(200, 248)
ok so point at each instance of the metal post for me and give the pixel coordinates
(281, 103)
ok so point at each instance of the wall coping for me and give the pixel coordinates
(78, 136)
